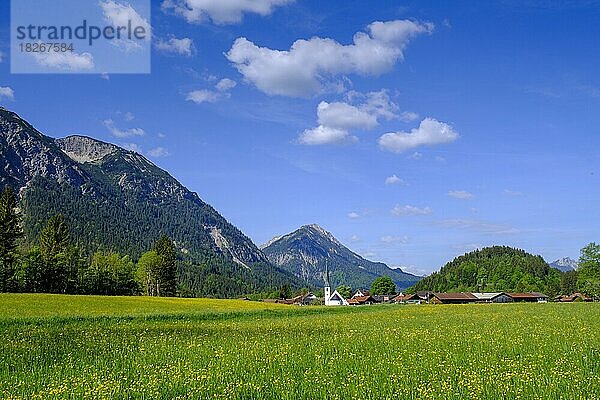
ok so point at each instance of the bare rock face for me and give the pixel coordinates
(565, 264)
(26, 153)
(83, 149)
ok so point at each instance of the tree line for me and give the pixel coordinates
(55, 264)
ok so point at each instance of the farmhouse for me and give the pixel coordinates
(361, 300)
(575, 297)
(384, 298)
(531, 297)
(407, 299)
(493, 297)
(361, 293)
(453, 298)
(305, 299)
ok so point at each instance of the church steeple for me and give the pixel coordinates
(327, 289)
(327, 275)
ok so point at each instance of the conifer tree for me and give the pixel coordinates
(167, 273)
(10, 232)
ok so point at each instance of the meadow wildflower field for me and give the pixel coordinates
(59, 347)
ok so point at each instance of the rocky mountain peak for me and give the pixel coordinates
(565, 264)
(306, 251)
(84, 149)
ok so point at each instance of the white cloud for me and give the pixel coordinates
(354, 238)
(122, 14)
(7, 92)
(182, 47)
(220, 11)
(353, 215)
(325, 135)
(343, 115)
(225, 85)
(440, 159)
(158, 152)
(416, 156)
(393, 180)
(311, 65)
(409, 116)
(338, 118)
(479, 226)
(203, 96)
(105, 76)
(461, 194)
(430, 132)
(212, 96)
(67, 61)
(122, 133)
(388, 239)
(400, 211)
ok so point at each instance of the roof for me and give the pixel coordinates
(360, 300)
(531, 295)
(454, 296)
(406, 297)
(336, 296)
(384, 297)
(487, 296)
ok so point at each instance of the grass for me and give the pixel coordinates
(118, 348)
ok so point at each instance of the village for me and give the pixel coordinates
(364, 297)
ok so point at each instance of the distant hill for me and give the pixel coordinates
(565, 264)
(305, 252)
(493, 269)
(118, 200)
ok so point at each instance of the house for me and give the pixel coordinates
(531, 297)
(453, 298)
(305, 299)
(425, 296)
(498, 297)
(384, 298)
(407, 299)
(361, 300)
(361, 293)
(332, 299)
(575, 297)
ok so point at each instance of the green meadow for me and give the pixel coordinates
(71, 347)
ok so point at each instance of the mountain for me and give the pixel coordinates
(116, 199)
(565, 264)
(494, 269)
(305, 252)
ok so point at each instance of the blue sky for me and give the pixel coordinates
(413, 131)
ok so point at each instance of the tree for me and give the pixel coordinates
(55, 237)
(345, 291)
(110, 274)
(383, 285)
(167, 273)
(588, 274)
(10, 232)
(568, 282)
(62, 260)
(147, 272)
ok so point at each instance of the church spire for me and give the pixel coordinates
(327, 275)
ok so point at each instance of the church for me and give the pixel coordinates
(332, 299)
